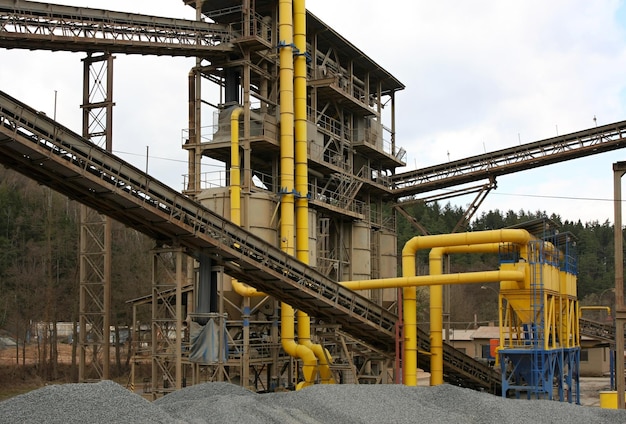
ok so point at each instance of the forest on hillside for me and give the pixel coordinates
(39, 259)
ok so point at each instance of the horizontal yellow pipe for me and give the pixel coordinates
(434, 280)
(596, 308)
(460, 239)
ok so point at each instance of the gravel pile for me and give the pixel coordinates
(104, 402)
(108, 402)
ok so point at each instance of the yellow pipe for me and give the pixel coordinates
(235, 194)
(286, 128)
(596, 308)
(300, 102)
(295, 350)
(409, 293)
(301, 179)
(434, 280)
(435, 266)
(235, 175)
(287, 218)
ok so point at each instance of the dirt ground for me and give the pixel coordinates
(590, 388)
(16, 378)
(8, 356)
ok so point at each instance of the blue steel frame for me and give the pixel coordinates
(541, 374)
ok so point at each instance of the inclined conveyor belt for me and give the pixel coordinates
(51, 154)
(490, 165)
(460, 369)
(597, 330)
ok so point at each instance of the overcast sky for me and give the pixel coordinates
(480, 76)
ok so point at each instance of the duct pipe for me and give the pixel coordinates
(410, 293)
(287, 218)
(235, 217)
(235, 193)
(300, 102)
(434, 280)
(235, 172)
(301, 179)
(435, 266)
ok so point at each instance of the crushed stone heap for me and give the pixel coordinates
(108, 402)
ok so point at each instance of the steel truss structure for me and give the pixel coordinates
(579, 144)
(95, 229)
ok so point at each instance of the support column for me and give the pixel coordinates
(167, 320)
(619, 169)
(95, 230)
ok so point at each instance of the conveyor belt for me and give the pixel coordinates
(597, 330)
(460, 369)
(37, 26)
(507, 161)
(49, 153)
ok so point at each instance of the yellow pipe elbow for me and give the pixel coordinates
(295, 350)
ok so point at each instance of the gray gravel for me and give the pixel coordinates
(104, 402)
(108, 402)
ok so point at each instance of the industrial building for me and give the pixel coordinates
(261, 273)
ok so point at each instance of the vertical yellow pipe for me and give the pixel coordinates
(409, 309)
(301, 178)
(287, 215)
(435, 267)
(301, 171)
(235, 174)
(300, 102)
(235, 193)
(287, 161)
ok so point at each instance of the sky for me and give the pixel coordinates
(479, 76)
